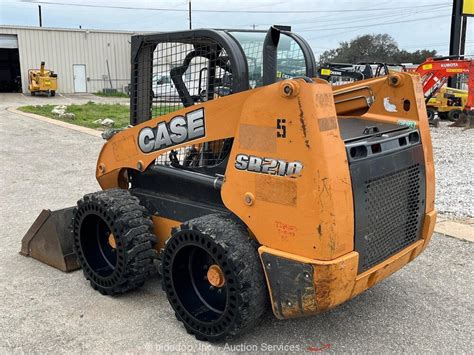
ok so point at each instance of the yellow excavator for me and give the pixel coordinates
(42, 81)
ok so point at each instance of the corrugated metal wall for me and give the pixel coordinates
(62, 48)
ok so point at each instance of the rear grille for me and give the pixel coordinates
(393, 204)
(389, 203)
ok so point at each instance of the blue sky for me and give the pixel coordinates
(413, 24)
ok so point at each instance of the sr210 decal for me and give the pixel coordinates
(267, 165)
(178, 130)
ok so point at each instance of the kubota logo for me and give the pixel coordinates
(448, 65)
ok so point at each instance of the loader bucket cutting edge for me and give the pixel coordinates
(50, 241)
(466, 120)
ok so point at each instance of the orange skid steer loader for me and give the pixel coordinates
(250, 189)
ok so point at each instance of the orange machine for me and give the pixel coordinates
(253, 189)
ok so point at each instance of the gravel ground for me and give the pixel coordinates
(454, 168)
(425, 307)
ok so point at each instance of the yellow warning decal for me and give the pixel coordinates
(325, 71)
(427, 66)
(468, 8)
(454, 70)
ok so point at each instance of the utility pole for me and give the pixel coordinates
(189, 15)
(463, 35)
(40, 17)
(455, 37)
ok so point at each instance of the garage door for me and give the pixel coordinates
(8, 41)
(10, 76)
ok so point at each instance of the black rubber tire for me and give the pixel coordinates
(229, 245)
(453, 115)
(33, 93)
(116, 270)
(53, 93)
(443, 115)
(431, 113)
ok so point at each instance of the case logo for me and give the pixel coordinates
(267, 165)
(167, 134)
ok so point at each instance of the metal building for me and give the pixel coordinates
(84, 60)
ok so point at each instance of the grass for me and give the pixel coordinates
(111, 94)
(87, 113)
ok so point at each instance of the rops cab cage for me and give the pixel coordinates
(172, 70)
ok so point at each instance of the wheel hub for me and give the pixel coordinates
(215, 276)
(111, 241)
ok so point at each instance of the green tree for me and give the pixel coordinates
(417, 56)
(373, 48)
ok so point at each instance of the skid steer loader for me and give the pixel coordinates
(258, 188)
